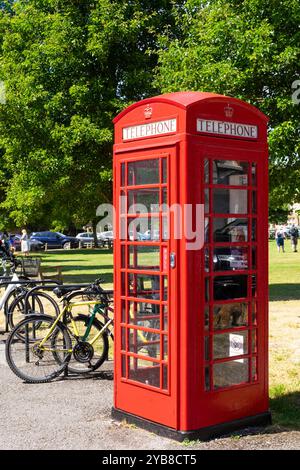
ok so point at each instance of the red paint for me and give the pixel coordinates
(172, 390)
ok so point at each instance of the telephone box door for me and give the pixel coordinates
(146, 279)
(235, 260)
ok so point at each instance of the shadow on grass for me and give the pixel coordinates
(284, 292)
(91, 267)
(86, 278)
(285, 408)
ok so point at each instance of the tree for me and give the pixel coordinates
(248, 49)
(69, 67)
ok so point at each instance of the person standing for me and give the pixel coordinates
(294, 233)
(279, 237)
(25, 243)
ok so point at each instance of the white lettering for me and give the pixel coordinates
(150, 129)
(246, 131)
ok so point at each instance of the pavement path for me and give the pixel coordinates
(74, 413)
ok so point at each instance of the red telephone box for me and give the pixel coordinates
(191, 303)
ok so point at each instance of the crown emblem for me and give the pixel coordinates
(148, 112)
(228, 110)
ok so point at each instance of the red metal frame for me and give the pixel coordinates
(190, 401)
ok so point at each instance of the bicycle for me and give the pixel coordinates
(16, 287)
(41, 347)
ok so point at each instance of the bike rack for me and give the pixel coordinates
(20, 282)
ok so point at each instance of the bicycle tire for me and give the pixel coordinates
(102, 346)
(27, 349)
(19, 303)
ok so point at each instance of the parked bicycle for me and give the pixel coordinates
(15, 286)
(41, 347)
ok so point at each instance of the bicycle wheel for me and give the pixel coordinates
(31, 361)
(87, 355)
(39, 303)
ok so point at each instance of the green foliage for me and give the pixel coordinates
(69, 67)
(278, 214)
(249, 49)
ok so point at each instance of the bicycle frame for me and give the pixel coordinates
(68, 310)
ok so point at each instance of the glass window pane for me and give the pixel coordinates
(230, 373)
(230, 230)
(145, 286)
(230, 344)
(165, 342)
(206, 348)
(164, 170)
(144, 343)
(206, 289)
(230, 201)
(165, 287)
(230, 258)
(206, 260)
(166, 227)
(206, 200)
(123, 284)
(230, 172)
(254, 341)
(230, 287)
(207, 378)
(164, 198)
(143, 228)
(123, 257)
(230, 315)
(254, 202)
(143, 201)
(206, 317)
(143, 172)
(254, 286)
(123, 315)
(253, 234)
(144, 314)
(254, 313)
(253, 171)
(123, 365)
(123, 339)
(253, 258)
(206, 229)
(206, 171)
(144, 257)
(165, 376)
(254, 369)
(165, 316)
(145, 372)
(123, 174)
(123, 203)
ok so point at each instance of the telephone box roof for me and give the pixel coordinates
(185, 99)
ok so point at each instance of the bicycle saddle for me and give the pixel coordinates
(62, 290)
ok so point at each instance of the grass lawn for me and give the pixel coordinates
(284, 336)
(81, 266)
(87, 265)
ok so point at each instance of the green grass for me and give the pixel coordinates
(284, 272)
(81, 266)
(284, 281)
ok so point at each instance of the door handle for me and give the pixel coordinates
(172, 260)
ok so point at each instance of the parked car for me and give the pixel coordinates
(106, 238)
(85, 237)
(150, 235)
(55, 240)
